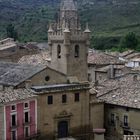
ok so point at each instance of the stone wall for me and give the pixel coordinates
(119, 129)
(39, 79)
(76, 113)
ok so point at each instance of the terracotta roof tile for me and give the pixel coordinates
(123, 91)
(10, 95)
(101, 58)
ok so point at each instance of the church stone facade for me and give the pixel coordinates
(64, 110)
(66, 107)
(69, 44)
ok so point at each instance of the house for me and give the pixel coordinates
(100, 65)
(11, 51)
(18, 114)
(122, 105)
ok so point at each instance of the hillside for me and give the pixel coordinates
(107, 18)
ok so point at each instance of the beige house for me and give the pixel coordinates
(11, 51)
(122, 105)
(102, 66)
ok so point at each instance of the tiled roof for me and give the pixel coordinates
(35, 59)
(102, 58)
(126, 53)
(12, 74)
(59, 87)
(11, 95)
(122, 91)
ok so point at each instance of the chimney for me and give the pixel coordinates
(99, 134)
(111, 71)
(1, 87)
(28, 84)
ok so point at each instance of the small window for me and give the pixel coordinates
(58, 51)
(47, 78)
(26, 105)
(125, 120)
(26, 117)
(26, 131)
(13, 108)
(112, 119)
(89, 77)
(77, 97)
(13, 135)
(13, 119)
(64, 98)
(50, 100)
(76, 51)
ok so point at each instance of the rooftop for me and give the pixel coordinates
(101, 58)
(35, 59)
(12, 74)
(11, 95)
(59, 87)
(123, 90)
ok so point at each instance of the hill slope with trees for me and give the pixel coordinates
(109, 20)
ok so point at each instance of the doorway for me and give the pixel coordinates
(62, 129)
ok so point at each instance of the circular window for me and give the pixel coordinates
(47, 78)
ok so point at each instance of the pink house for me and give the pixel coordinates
(18, 119)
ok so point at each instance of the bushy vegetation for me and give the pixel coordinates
(109, 22)
(126, 42)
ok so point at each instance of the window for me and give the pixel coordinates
(26, 117)
(26, 105)
(112, 119)
(13, 119)
(76, 54)
(47, 78)
(13, 108)
(58, 51)
(13, 135)
(26, 131)
(89, 77)
(64, 98)
(50, 100)
(125, 120)
(76, 97)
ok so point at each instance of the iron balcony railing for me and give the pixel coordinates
(131, 137)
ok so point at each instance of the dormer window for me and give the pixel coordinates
(76, 54)
(58, 51)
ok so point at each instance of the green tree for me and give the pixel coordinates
(11, 32)
(130, 41)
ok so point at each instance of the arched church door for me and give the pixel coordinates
(62, 129)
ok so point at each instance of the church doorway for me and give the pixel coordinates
(62, 129)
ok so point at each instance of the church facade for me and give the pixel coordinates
(64, 104)
(63, 109)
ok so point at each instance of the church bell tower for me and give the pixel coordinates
(68, 43)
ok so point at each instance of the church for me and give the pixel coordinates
(66, 104)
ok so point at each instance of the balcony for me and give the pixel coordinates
(125, 125)
(27, 121)
(131, 137)
(14, 125)
(32, 135)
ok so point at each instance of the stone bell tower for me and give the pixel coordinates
(68, 43)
